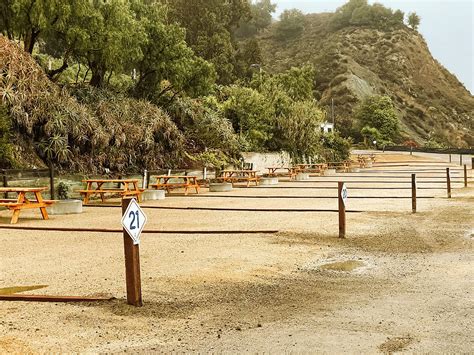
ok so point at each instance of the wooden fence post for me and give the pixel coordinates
(448, 182)
(51, 180)
(132, 265)
(342, 211)
(465, 175)
(450, 157)
(460, 159)
(413, 193)
(5, 182)
(472, 163)
(148, 179)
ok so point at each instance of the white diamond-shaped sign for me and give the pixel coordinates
(344, 193)
(133, 221)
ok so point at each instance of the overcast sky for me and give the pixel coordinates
(447, 26)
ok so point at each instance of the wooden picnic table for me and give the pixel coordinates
(123, 187)
(186, 181)
(23, 202)
(344, 165)
(291, 171)
(364, 159)
(312, 168)
(235, 176)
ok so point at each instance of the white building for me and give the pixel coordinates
(327, 127)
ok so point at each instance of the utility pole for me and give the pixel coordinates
(332, 114)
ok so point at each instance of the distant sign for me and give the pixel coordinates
(133, 221)
(344, 194)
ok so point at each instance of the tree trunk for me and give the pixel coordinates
(30, 40)
(98, 74)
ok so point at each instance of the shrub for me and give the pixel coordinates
(378, 112)
(62, 191)
(299, 131)
(335, 148)
(6, 151)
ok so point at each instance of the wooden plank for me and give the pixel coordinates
(48, 298)
(111, 180)
(22, 189)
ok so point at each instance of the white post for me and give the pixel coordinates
(145, 175)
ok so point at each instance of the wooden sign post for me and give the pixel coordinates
(465, 175)
(342, 195)
(132, 260)
(413, 193)
(448, 182)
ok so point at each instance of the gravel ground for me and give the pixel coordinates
(399, 282)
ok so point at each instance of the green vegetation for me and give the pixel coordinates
(6, 149)
(152, 83)
(360, 13)
(378, 118)
(413, 20)
(291, 24)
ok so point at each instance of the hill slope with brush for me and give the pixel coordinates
(355, 62)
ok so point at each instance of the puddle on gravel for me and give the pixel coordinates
(18, 289)
(348, 265)
(469, 234)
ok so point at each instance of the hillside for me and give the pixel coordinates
(354, 62)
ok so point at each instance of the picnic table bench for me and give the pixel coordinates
(312, 168)
(23, 202)
(291, 172)
(124, 187)
(187, 182)
(365, 159)
(342, 165)
(235, 176)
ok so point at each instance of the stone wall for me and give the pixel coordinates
(263, 160)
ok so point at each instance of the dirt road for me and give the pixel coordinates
(399, 282)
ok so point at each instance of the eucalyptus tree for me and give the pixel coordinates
(209, 28)
(28, 20)
(168, 65)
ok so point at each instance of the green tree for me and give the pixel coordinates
(28, 20)
(298, 82)
(379, 112)
(105, 36)
(343, 15)
(248, 58)
(399, 16)
(209, 26)
(291, 24)
(360, 13)
(300, 130)
(413, 20)
(260, 18)
(167, 58)
(251, 114)
(334, 147)
(370, 134)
